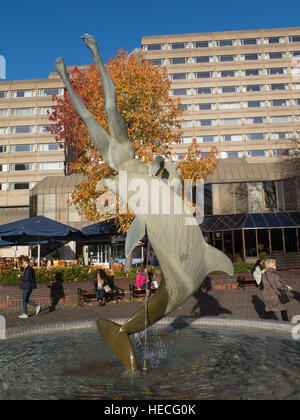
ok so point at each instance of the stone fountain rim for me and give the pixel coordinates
(283, 327)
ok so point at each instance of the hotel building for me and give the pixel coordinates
(240, 90)
(28, 151)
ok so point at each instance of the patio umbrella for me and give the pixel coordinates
(38, 229)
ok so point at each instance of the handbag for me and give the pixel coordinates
(107, 288)
(283, 297)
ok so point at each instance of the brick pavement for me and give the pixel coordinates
(235, 304)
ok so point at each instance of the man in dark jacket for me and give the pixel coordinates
(27, 285)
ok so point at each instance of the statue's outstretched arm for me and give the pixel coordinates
(97, 134)
(117, 124)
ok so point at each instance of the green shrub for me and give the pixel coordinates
(242, 267)
(10, 278)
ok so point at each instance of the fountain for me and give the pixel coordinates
(184, 257)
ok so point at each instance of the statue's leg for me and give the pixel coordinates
(97, 134)
(117, 124)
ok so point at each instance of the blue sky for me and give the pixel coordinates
(33, 33)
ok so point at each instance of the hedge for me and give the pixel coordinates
(80, 273)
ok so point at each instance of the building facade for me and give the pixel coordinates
(28, 151)
(240, 90)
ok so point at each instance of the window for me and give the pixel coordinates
(281, 119)
(294, 38)
(3, 131)
(227, 73)
(187, 124)
(279, 152)
(3, 112)
(257, 153)
(185, 107)
(278, 86)
(225, 58)
(44, 110)
(296, 86)
(205, 123)
(250, 41)
(274, 40)
(254, 104)
(177, 45)
(16, 148)
(295, 53)
(179, 60)
(207, 139)
(253, 88)
(204, 90)
(180, 92)
(277, 70)
(274, 55)
(202, 59)
(186, 140)
(23, 93)
(3, 94)
(51, 92)
(253, 72)
(226, 43)
(49, 166)
(20, 186)
(256, 136)
(178, 76)
(234, 154)
(21, 166)
(255, 120)
(204, 107)
(44, 128)
(279, 102)
(231, 121)
(281, 136)
(229, 105)
(201, 44)
(22, 111)
(152, 47)
(157, 61)
(249, 57)
(229, 89)
(24, 129)
(232, 137)
(270, 197)
(204, 75)
(3, 149)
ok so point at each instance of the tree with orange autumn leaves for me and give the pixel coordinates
(153, 119)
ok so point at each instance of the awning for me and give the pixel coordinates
(245, 221)
(100, 229)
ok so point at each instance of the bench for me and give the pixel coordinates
(87, 296)
(136, 293)
(245, 282)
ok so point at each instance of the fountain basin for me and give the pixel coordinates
(207, 358)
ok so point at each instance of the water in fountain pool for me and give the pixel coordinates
(183, 363)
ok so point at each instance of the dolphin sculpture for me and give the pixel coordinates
(183, 255)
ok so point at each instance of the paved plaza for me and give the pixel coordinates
(246, 304)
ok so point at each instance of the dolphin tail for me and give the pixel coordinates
(119, 343)
(218, 261)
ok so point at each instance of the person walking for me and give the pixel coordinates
(27, 285)
(258, 270)
(273, 288)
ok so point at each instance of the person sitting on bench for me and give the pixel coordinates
(100, 282)
(142, 279)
